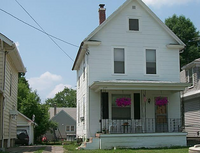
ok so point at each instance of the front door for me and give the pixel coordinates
(161, 118)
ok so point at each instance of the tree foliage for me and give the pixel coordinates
(65, 98)
(29, 105)
(187, 32)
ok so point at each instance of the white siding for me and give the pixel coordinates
(115, 34)
(192, 117)
(11, 100)
(1, 69)
(81, 92)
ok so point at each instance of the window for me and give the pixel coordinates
(10, 84)
(150, 61)
(72, 128)
(120, 112)
(84, 106)
(67, 128)
(133, 24)
(190, 76)
(79, 81)
(83, 73)
(78, 111)
(119, 64)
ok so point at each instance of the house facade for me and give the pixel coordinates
(10, 65)
(128, 81)
(190, 98)
(66, 120)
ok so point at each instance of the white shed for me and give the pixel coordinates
(24, 122)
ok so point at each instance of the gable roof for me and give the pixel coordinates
(13, 53)
(115, 14)
(28, 119)
(70, 111)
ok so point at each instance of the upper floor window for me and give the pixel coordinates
(119, 61)
(70, 128)
(11, 80)
(133, 24)
(190, 76)
(151, 61)
(83, 73)
(79, 81)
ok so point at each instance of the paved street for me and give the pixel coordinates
(31, 149)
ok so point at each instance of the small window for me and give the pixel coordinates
(83, 73)
(72, 128)
(67, 128)
(78, 81)
(190, 76)
(150, 61)
(133, 24)
(10, 84)
(119, 64)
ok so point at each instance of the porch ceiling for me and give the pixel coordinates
(138, 85)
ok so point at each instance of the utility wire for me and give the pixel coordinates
(37, 28)
(44, 30)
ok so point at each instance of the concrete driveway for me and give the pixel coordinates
(31, 149)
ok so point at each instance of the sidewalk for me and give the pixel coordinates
(31, 149)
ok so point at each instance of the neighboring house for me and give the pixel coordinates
(131, 55)
(190, 98)
(27, 124)
(10, 65)
(66, 119)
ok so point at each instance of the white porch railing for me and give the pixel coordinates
(147, 125)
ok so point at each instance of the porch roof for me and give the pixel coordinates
(138, 85)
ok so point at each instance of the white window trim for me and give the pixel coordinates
(139, 21)
(70, 126)
(112, 64)
(157, 62)
(188, 79)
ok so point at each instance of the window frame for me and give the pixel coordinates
(70, 128)
(192, 76)
(113, 60)
(139, 24)
(145, 60)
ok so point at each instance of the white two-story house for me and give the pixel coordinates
(128, 81)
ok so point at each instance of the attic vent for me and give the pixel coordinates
(133, 7)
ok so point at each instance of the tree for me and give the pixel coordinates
(65, 98)
(187, 32)
(29, 105)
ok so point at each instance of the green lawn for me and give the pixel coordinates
(71, 147)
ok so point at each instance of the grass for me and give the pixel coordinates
(40, 150)
(71, 147)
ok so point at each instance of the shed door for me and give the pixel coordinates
(161, 119)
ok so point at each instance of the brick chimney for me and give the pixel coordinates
(102, 13)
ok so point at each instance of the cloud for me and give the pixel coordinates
(17, 45)
(57, 89)
(45, 81)
(159, 3)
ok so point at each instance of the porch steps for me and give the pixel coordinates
(91, 145)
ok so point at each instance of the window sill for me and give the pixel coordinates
(132, 31)
(118, 74)
(151, 75)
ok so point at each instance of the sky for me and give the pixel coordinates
(49, 69)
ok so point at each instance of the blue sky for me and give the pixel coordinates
(48, 68)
